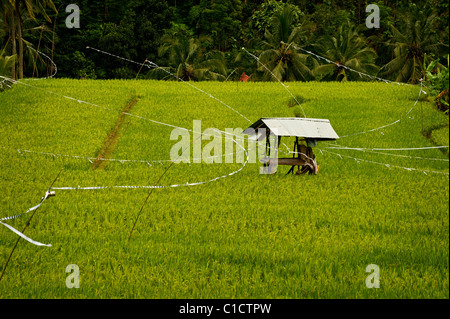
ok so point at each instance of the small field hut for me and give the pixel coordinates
(307, 133)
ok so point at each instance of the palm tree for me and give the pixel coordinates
(188, 58)
(6, 63)
(418, 36)
(347, 50)
(32, 7)
(7, 11)
(6, 67)
(280, 59)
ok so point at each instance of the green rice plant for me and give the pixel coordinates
(243, 236)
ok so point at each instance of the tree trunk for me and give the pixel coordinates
(12, 29)
(37, 51)
(52, 67)
(106, 10)
(19, 38)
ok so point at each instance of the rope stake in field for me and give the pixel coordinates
(48, 194)
(21, 234)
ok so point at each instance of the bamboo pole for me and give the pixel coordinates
(26, 226)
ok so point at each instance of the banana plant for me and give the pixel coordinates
(437, 79)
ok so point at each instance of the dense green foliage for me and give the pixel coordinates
(135, 30)
(438, 81)
(244, 236)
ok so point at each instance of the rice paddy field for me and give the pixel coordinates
(384, 201)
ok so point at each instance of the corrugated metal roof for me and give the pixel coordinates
(318, 129)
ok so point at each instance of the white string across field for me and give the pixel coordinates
(351, 70)
(46, 196)
(8, 82)
(55, 67)
(227, 136)
(377, 151)
(150, 64)
(154, 65)
(361, 74)
(279, 81)
(91, 160)
(358, 160)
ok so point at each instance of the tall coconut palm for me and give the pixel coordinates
(31, 7)
(280, 59)
(189, 59)
(417, 35)
(346, 48)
